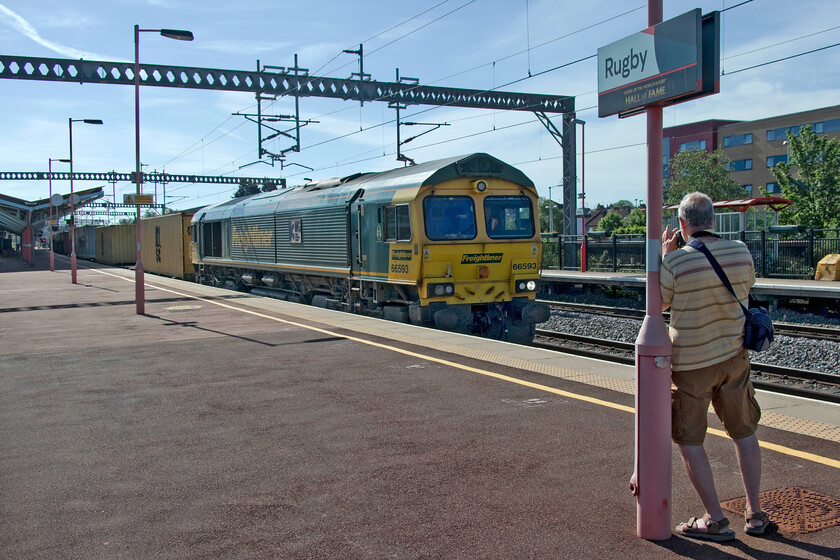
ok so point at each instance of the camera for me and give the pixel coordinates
(680, 240)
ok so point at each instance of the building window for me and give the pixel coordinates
(696, 145)
(747, 188)
(781, 133)
(737, 140)
(827, 126)
(740, 165)
(773, 188)
(773, 160)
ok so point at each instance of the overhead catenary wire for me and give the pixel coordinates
(363, 129)
(562, 66)
(544, 72)
(781, 59)
(250, 106)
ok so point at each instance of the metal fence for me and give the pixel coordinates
(783, 254)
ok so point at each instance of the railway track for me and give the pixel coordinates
(803, 383)
(787, 329)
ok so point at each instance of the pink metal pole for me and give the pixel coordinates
(72, 212)
(52, 255)
(26, 239)
(651, 483)
(139, 277)
(583, 255)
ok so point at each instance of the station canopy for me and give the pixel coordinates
(741, 205)
(13, 211)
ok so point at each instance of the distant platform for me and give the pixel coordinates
(763, 287)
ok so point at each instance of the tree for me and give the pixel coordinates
(699, 170)
(610, 222)
(814, 188)
(246, 188)
(556, 213)
(635, 223)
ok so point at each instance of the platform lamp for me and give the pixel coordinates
(73, 198)
(582, 194)
(52, 255)
(181, 35)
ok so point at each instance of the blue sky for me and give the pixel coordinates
(477, 44)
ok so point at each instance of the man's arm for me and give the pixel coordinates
(666, 279)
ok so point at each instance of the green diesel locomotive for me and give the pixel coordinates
(453, 244)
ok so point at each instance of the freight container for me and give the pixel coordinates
(166, 244)
(86, 242)
(116, 245)
(61, 243)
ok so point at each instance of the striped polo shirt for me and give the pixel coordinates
(707, 324)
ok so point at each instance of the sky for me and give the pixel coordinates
(476, 44)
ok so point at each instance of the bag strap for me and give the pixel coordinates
(700, 246)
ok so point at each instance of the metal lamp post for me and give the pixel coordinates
(52, 255)
(181, 35)
(582, 195)
(72, 198)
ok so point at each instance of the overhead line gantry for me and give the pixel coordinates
(283, 81)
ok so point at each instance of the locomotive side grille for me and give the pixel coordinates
(252, 238)
(316, 237)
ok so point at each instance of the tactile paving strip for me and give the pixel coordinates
(794, 509)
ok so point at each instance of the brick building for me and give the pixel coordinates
(753, 146)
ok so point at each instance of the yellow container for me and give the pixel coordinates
(116, 244)
(828, 268)
(166, 244)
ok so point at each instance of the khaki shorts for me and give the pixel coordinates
(728, 387)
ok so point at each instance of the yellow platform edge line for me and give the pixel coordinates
(766, 445)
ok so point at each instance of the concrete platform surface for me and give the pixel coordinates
(221, 425)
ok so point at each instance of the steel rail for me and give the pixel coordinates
(799, 330)
(797, 374)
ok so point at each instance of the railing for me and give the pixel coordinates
(783, 254)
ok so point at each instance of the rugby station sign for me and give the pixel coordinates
(667, 63)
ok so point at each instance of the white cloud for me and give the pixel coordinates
(16, 22)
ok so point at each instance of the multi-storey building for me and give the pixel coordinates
(753, 146)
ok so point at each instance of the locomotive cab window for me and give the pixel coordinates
(398, 223)
(449, 217)
(509, 217)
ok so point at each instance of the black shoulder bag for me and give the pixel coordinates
(758, 328)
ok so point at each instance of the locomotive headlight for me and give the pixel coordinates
(442, 289)
(526, 285)
(479, 186)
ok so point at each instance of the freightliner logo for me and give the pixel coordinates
(482, 258)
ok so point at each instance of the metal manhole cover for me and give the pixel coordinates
(794, 509)
(182, 308)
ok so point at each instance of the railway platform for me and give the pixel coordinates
(223, 425)
(764, 288)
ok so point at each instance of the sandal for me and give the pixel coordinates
(713, 531)
(751, 529)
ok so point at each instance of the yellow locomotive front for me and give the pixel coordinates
(480, 258)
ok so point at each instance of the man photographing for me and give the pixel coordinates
(710, 363)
